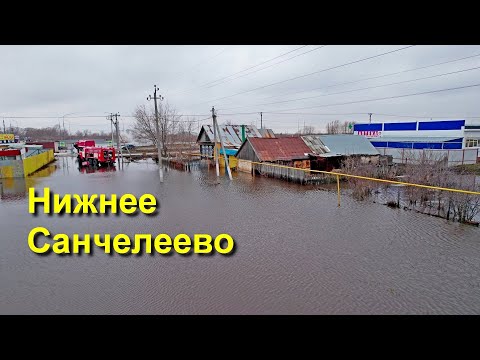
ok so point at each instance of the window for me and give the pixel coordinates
(472, 143)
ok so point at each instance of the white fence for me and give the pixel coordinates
(454, 157)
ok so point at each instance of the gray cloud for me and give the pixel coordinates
(92, 80)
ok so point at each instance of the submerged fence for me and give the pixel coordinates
(288, 172)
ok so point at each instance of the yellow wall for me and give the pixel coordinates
(10, 169)
(232, 161)
(6, 172)
(35, 162)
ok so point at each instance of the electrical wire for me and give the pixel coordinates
(384, 98)
(81, 117)
(207, 60)
(309, 74)
(374, 77)
(350, 91)
(251, 67)
(269, 66)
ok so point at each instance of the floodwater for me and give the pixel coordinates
(296, 251)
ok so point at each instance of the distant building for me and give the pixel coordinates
(232, 135)
(7, 138)
(46, 144)
(407, 141)
(472, 136)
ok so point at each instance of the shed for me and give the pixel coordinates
(342, 144)
(275, 150)
(328, 151)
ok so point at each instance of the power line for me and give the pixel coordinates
(384, 98)
(81, 117)
(264, 62)
(266, 67)
(309, 74)
(375, 77)
(343, 114)
(350, 91)
(251, 67)
(204, 61)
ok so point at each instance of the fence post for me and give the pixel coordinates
(338, 189)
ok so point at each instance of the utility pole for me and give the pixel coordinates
(370, 117)
(110, 117)
(261, 120)
(215, 155)
(117, 132)
(159, 141)
(4, 131)
(227, 165)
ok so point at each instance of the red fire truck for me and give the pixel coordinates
(96, 156)
(80, 144)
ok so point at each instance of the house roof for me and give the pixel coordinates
(273, 149)
(342, 144)
(267, 133)
(231, 134)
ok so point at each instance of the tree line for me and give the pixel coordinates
(55, 133)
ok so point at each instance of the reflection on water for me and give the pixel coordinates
(296, 252)
(17, 188)
(91, 169)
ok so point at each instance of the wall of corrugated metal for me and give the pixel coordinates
(288, 174)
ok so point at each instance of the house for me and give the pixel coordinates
(327, 152)
(290, 151)
(232, 135)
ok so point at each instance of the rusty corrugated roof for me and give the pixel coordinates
(273, 149)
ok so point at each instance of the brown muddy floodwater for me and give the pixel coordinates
(296, 251)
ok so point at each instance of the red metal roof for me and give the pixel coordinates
(268, 149)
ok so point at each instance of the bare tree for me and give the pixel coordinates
(333, 127)
(145, 128)
(336, 127)
(309, 130)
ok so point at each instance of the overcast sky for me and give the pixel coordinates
(94, 80)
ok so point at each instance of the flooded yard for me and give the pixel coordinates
(296, 251)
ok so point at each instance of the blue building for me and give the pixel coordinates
(409, 140)
(445, 134)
